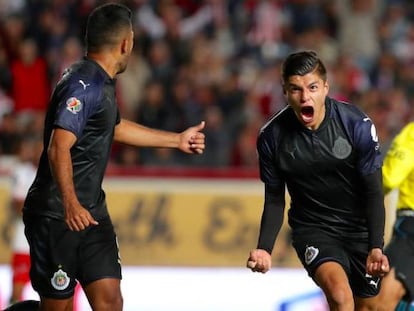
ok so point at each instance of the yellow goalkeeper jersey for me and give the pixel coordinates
(398, 167)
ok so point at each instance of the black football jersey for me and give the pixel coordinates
(84, 103)
(322, 169)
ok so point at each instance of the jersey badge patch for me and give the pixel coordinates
(310, 254)
(60, 280)
(341, 149)
(74, 105)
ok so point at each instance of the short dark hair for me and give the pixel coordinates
(302, 63)
(104, 25)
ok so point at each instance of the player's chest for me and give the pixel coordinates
(305, 151)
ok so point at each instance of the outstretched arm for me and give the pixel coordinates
(134, 134)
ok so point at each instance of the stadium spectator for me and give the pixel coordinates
(132, 83)
(230, 46)
(30, 88)
(362, 46)
(167, 19)
(23, 174)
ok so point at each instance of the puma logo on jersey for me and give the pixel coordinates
(292, 153)
(85, 85)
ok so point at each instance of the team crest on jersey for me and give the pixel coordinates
(341, 149)
(310, 254)
(74, 105)
(60, 280)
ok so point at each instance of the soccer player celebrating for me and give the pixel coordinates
(328, 156)
(68, 227)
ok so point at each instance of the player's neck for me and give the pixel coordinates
(106, 61)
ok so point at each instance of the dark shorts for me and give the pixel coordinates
(400, 252)
(315, 247)
(60, 257)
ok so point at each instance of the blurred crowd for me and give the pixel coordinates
(212, 60)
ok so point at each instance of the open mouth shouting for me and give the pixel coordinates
(307, 114)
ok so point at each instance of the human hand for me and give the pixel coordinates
(77, 217)
(377, 263)
(192, 140)
(259, 261)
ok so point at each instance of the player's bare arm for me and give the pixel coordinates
(188, 141)
(76, 217)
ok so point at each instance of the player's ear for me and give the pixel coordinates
(127, 43)
(124, 45)
(326, 86)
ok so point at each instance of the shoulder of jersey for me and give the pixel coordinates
(349, 110)
(84, 77)
(278, 118)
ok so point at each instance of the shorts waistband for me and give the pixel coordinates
(405, 212)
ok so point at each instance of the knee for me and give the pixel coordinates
(339, 296)
(112, 302)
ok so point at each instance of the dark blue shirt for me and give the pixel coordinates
(323, 169)
(83, 103)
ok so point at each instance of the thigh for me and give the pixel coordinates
(99, 254)
(53, 251)
(333, 280)
(392, 291)
(331, 277)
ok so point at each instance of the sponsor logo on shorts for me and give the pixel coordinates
(310, 254)
(60, 280)
(74, 105)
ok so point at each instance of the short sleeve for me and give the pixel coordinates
(74, 111)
